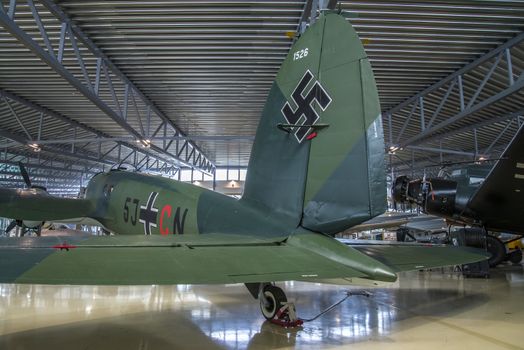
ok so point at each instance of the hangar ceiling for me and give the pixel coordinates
(188, 80)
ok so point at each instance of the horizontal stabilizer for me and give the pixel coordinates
(37, 205)
(207, 259)
(408, 257)
(145, 260)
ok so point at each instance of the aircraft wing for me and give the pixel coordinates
(201, 259)
(498, 201)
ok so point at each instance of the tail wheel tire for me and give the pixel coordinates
(271, 301)
(497, 250)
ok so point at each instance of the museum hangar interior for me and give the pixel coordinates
(117, 116)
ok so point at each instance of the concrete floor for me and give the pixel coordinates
(423, 310)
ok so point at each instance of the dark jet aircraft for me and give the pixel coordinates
(317, 168)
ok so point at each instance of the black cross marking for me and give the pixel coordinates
(305, 113)
(148, 213)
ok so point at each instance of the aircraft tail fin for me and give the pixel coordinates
(318, 156)
(495, 201)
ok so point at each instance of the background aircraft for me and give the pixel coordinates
(26, 225)
(317, 168)
(477, 195)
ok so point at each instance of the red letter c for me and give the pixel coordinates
(166, 208)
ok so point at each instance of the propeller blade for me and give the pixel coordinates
(11, 226)
(399, 189)
(24, 174)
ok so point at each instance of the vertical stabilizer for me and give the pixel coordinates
(318, 156)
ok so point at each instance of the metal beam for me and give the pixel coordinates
(64, 168)
(86, 89)
(512, 115)
(75, 124)
(13, 113)
(517, 39)
(159, 138)
(62, 152)
(434, 94)
(53, 149)
(151, 107)
(32, 45)
(492, 144)
(441, 150)
(461, 115)
(36, 175)
(332, 4)
(489, 151)
(48, 167)
(44, 160)
(36, 180)
(303, 21)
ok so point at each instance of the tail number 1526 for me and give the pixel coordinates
(300, 54)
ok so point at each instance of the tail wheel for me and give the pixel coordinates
(271, 301)
(497, 250)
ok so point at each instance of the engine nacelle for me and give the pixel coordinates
(435, 196)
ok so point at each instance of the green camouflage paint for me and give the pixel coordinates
(346, 173)
(170, 232)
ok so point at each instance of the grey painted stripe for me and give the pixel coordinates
(14, 263)
(20, 254)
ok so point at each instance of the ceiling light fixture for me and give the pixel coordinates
(35, 147)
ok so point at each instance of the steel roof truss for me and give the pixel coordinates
(438, 122)
(107, 64)
(71, 123)
(508, 124)
(13, 113)
(87, 88)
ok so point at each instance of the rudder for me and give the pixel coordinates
(325, 179)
